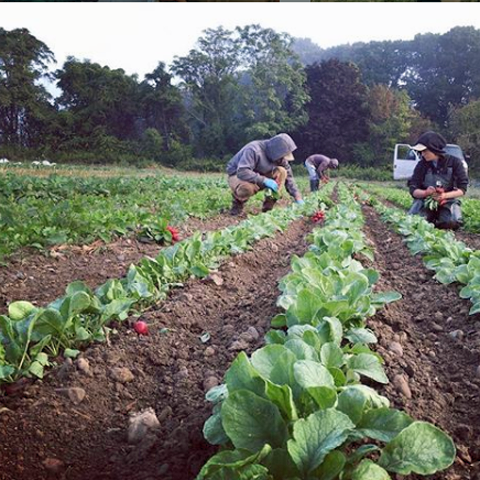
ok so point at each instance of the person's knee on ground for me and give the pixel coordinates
(451, 225)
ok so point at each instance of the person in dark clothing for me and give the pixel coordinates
(317, 165)
(260, 165)
(440, 176)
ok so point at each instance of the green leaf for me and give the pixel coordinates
(312, 374)
(361, 335)
(265, 359)
(331, 355)
(420, 448)
(325, 397)
(36, 369)
(6, 371)
(369, 366)
(280, 464)
(279, 321)
(236, 465)
(385, 297)
(213, 430)
(77, 286)
(367, 470)
(352, 402)
(331, 467)
(19, 310)
(251, 421)
(383, 424)
(242, 376)
(302, 350)
(71, 353)
(316, 436)
(217, 394)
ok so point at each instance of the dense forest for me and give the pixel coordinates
(353, 102)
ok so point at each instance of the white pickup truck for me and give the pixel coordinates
(405, 159)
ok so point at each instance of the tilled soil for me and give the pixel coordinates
(40, 279)
(45, 434)
(440, 343)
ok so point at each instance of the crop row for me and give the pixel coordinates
(297, 408)
(402, 198)
(450, 259)
(30, 336)
(41, 212)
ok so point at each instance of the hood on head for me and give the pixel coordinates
(280, 146)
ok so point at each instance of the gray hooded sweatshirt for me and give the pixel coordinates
(260, 158)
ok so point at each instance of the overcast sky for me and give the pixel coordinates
(136, 36)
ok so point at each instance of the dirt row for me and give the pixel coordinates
(74, 424)
(40, 279)
(431, 347)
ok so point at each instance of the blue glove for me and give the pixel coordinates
(300, 202)
(271, 184)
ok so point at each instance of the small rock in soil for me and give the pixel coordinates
(209, 383)
(396, 348)
(228, 330)
(53, 465)
(247, 337)
(254, 333)
(438, 316)
(165, 413)
(185, 297)
(140, 424)
(121, 374)
(457, 334)
(181, 374)
(209, 352)
(83, 366)
(75, 394)
(216, 279)
(401, 384)
(238, 345)
(437, 327)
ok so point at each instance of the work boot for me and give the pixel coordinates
(268, 204)
(237, 207)
(314, 185)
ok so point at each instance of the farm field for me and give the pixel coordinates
(376, 344)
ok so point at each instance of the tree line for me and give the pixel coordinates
(353, 102)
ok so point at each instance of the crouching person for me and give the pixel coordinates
(316, 166)
(260, 165)
(440, 176)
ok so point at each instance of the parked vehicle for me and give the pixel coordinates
(405, 159)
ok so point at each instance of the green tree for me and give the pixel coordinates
(98, 100)
(275, 95)
(162, 106)
(445, 72)
(240, 86)
(209, 80)
(465, 128)
(24, 103)
(390, 122)
(338, 110)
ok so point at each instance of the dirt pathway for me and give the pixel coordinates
(41, 279)
(44, 430)
(440, 343)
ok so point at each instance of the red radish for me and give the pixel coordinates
(141, 327)
(174, 232)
